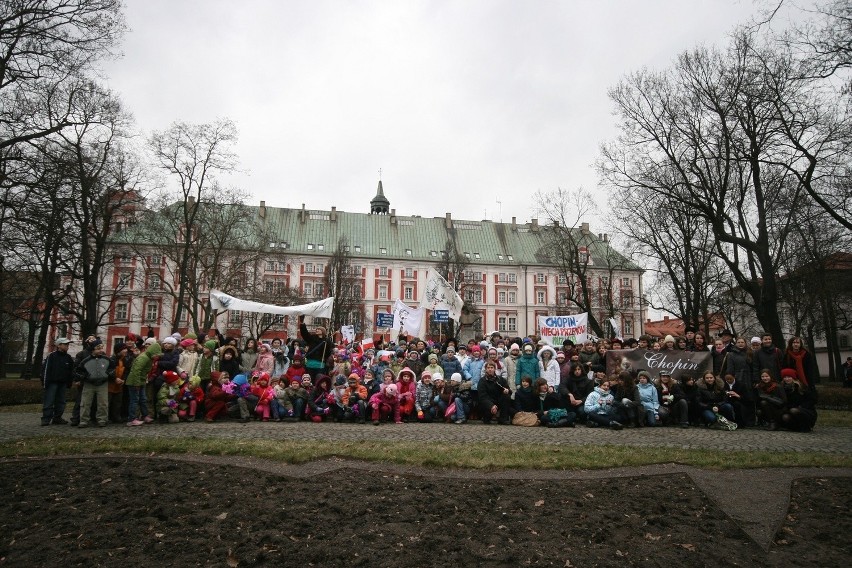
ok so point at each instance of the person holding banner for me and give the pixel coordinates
(318, 348)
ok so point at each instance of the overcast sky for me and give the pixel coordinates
(462, 104)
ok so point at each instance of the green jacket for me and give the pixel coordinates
(142, 366)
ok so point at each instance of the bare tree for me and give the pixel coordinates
(193, 154)
(706, 134)
(341, 281)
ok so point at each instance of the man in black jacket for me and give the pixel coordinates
(318, 349)
(57, 375)
(494, 396)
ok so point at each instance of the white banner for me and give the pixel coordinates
(222, 301)
(556, 329)
(409, 320)
(348, 333)
(439, 295)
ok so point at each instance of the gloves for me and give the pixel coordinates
(420, 415)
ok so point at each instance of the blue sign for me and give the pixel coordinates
(441, 316)
(384, 319)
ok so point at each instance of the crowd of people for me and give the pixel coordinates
(519, 380)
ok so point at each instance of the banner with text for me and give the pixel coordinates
(678, 363)
(556, 329)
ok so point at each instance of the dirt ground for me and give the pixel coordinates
(136, 511)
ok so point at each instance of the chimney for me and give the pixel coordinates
(534, 225)
(606, 238)
(584, 228)
(303, 215)
(514, 223)
(333, 216)
(261, 211)
(448, 221)
(393, 216)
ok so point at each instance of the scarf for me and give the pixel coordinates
(798, 358)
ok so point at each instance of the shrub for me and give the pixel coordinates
(19, 391)
(834, 398)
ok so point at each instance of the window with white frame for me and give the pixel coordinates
(121, 311)
(501, 277)
(407, 252)
(476, 255)
(513, 323)
(308, 289)
(513, 297)
(433, 253)
(235, 317)
(269, 287)
(627, 299)
(501, 323)
(383, 292)
(319, 289)
(408, 293)
(357, 248)
(626, 283)
(473, 295)
(320, 247)
(510, 257)
(154, 282)
(539, 295)
(628, 328)
(383, 271)
(562, 279)
(270, 266)
(501, 298)
(513, 278)
(152, 312)
(409, 273)
(309, 268)
(156, 260)
(383, 250)
(310, 246)
(356, 290)
(319, 268)
(124, 279)
(540, 278)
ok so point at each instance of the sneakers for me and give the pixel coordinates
(616, 425)
(148, 420)
(173, 419)
(460, 421)
(135, 422)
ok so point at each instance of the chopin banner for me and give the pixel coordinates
(678, 363)
(556, 329)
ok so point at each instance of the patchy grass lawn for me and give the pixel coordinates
(474, 456)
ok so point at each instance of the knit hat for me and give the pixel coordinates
(645, 374)
(475, 349)
(668, 338)
(186, 343)
(240, 380)
(191, 335)
(789, 373)
(263, 378)
(451, 349)
(170, 341)
(406, 371)
(171, 377)
(177, 336)
(211, 345)
(755, 339)
(150, 341)
(514, 346)
(456, 377)
(433, 357)
(354, 377)
(340, 381)
(437, 377)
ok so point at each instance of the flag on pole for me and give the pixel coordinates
(616, 332)
(409, 320)
(439, 295)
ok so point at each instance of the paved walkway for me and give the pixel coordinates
(15, 426)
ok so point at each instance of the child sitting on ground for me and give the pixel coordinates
(384, 404)
(425, 394)
(264, 394)
(167, 397)
(218, 397)
(190, 397)
(407, 389)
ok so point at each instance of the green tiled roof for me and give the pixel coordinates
(396, 234)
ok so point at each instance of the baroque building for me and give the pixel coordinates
(509, 275)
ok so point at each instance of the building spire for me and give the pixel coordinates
(379, 205)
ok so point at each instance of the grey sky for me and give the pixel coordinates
(460, 103)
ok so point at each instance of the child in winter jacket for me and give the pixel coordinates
(355, 399)
(599, 407)
(407, 389)
(189, 398)
(168, 395)
(384, 404)
(319, 405)
(217, 398)
(424, 397)
(264, 394)
(650, 399)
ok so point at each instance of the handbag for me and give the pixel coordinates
(525, 419)
(451, 410)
